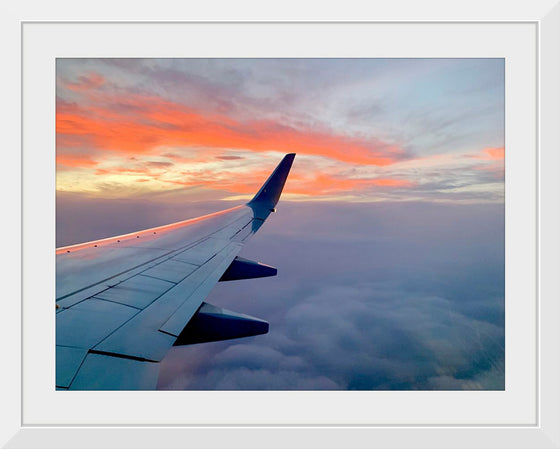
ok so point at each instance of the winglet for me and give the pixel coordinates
(269, 194)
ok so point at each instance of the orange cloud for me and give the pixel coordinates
(495, 161)
(249, 183)
(388, 182)
(235, 182)
(73, 161)
(494, 154)
(141, 124)
(323, 184)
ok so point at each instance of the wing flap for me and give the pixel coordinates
(106, 372)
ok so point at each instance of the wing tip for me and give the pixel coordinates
(270, 192)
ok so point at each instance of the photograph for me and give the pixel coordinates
(280, 224)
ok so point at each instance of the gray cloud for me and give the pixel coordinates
(229, 158)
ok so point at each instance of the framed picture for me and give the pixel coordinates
(512, 402)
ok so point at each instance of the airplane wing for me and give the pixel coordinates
(123, 302)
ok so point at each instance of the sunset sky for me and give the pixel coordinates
(363, 129)
(389, 237)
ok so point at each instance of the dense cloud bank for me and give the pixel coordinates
(379, 296)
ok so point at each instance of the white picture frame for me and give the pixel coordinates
(20, 428)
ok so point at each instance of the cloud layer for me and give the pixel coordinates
(377, 296)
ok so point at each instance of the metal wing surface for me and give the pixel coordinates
(123, 302)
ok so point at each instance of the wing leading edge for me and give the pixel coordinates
(123, 302)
